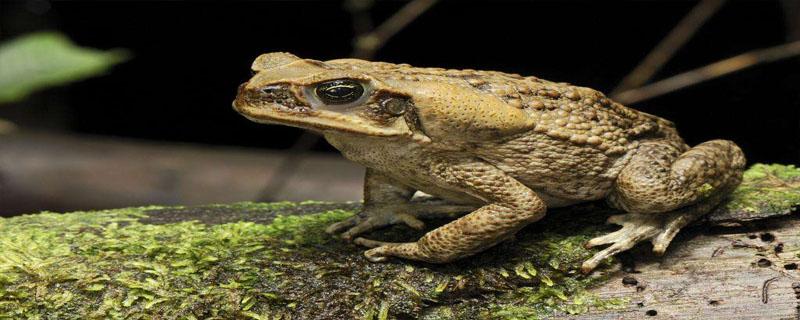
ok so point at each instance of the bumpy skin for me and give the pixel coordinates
(500, 146)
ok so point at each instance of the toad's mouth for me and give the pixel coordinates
(306, 117)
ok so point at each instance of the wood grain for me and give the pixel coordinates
(713, 274)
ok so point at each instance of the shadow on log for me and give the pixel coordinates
(273, 261)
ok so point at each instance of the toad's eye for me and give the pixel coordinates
(342, 91)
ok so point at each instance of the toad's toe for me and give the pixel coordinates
(342, 225)
(635, 228)
(372, 243)
(378, 254)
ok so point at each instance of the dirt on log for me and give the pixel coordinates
(273, 261)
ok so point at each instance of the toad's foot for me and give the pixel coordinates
(659, 228)
(378, 216)
(382, 250)
(372, 219)
(635, 228)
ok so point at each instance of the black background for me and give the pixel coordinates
(189, 57)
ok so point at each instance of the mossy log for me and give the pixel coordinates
(273, 261)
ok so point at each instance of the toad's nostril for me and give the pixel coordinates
(274, 91)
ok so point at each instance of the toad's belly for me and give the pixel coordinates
(462, 197)
(565, 172)
(555, 201)
(427, 185)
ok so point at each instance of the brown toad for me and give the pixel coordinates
(502, 146)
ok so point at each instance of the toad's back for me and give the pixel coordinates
(580, 115)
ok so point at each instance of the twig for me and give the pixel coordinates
(367, 44)
(287, 166)
(359, 10)
(664, 51)
(708, 72)
(765, 289)
(362, 23)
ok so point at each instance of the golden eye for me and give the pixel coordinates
(341, 91)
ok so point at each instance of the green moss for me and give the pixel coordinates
(108, 264)
(560, 288)
(705, 190)
(759, 171)
(274, 260)
(767, 188)
(294, 229)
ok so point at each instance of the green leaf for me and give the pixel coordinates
(47, 59)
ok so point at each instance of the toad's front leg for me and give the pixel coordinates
(387, 202)
(509, 206)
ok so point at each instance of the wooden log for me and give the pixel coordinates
(746, 273)
(273, 261)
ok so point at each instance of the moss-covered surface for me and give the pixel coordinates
(767, 190)
(266, 261)
(273, 261)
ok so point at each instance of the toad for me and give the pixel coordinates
(500, 146)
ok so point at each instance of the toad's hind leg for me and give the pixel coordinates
(510, 206)
(664, 190)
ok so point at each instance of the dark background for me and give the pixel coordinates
(190, 56)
